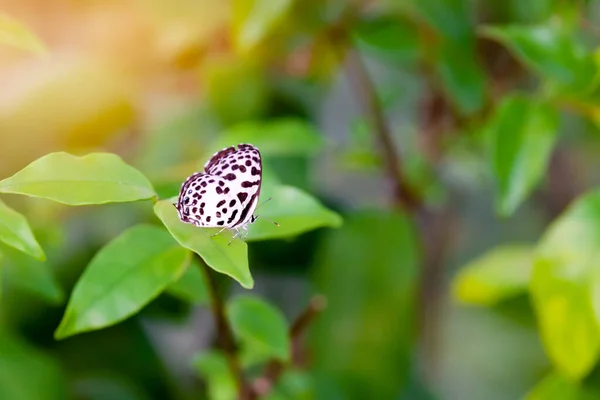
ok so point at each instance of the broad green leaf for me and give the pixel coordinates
(462, 76)
(26, 373)
(96, 178)
(191, 287)
(557, 387)
(294, 210)
(521, 136)
(230, 259)
(214, 368)
(254, 20)
(367, 270)
(13, 33)
(36, 277)
(499, 274)
(389, 38)
(123, 277)
(564, 287)
(284, 136)
(15, 231)
(260, 328)
(551, 52)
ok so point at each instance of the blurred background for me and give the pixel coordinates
(401, 93)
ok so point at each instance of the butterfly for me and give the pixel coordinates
(226, 194)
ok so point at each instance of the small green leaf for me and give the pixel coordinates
(390, 38)
(564, 283)
(213, 367)
(230, 259)
(260, 327)
(499, 274)
(462, 76)
(293, 384)
(26, 373)
(557, 387)
(15, 231)
(521, 136)
(453, 19)
(254, 20)
(294, 210)
(13, 33)
(191, 287)
(282, 137)
(96, 178)
(551, 52)
(123, 277)
(31, 275)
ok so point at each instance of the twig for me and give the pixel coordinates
(275, 368)
(225, 335)
(371, 106)
(369, 102)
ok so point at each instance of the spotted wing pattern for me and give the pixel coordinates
(226, 193)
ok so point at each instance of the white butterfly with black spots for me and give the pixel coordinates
(226, 194)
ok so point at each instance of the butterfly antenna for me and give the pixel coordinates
(270, 220)
(258, 206)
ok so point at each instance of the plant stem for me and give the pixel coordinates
(225, 336)
(275, 368)
(358, 78)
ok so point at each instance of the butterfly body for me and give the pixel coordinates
(226, 193)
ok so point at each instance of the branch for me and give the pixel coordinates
(359, 79)
(225, 335)
(275, 368)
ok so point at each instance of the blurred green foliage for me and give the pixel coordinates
(432, 165)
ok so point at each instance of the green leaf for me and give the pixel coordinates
(191, 287)
(31, 275)
(96, 178)
(260, 328)
(499, 274)
(254, 20)
(231, 259)
(15, 231)
(26, 373)
(367, 270)
(551, 52)
(389, 38)
(565, 287)
(282, 137)
(213, 367)
(452, 18)
(123, 277)
(521, 136)
(13, 33)
(556, 387)
(462, 76)
(293, 384)
(294, 210)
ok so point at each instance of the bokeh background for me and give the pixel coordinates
(159, 81)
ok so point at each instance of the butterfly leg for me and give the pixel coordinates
(222, 229)
(237, 233)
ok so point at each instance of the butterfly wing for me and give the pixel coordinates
(241, 167)
(207, 201)
(226, 194)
